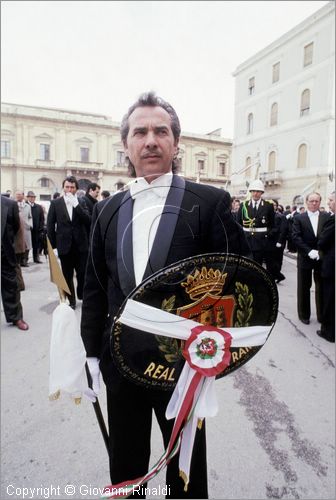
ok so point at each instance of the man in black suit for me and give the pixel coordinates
(10, 224)
(326, 246)
(305, 232)
(256, 215)
(161, 219)
(38, 224)
(68, 224)
(91, 195)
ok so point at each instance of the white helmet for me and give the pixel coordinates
(256, 185)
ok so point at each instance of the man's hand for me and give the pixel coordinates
(93, 364)
(314, 255)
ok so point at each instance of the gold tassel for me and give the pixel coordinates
(78, 401)
(56, 395)
(200, 423)
(185, 478)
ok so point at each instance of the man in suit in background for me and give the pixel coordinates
(160, 220)
(38, 224)
(91, 195)
(306, 230)
(68, 224)
(10, 224)
(326, 246)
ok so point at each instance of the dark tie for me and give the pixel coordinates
(254, 210)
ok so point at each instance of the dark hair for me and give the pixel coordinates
(287, 207)
(105, 194)
(93, 186)
(56, 195)
(150, 99)
(72, 179)
(313, 192)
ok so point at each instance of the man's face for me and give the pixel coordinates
(331, 203)
(313, 202)
(69, 187)
(19, 196)
(256, 195)
(236, 205)
(31, 199)
(94, 192)
(150, 143)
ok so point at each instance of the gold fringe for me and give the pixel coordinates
(200, 423)
(56, 395)
(78, 401)
(185, 478)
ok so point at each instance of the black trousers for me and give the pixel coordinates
(74, 261)
(130, 422)
(328, 309)
(10, 291)
(35, 244)
(304, 283)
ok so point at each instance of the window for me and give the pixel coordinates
(45, 197)
(302, 156)
(120, 158)
(84, 155)
(45, 152)
(274, 114)
(308, 54)
(250, 123)
(251, 86)
(305, 102)
(44, 182)
(248, 165)
(5, 149)
(271, 161)
(200, 165)
(222, 168)
(276, 72)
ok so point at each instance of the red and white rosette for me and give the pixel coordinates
(207, 352)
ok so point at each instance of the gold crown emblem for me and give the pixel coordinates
(206, 281)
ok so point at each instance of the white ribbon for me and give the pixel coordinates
(149, 319)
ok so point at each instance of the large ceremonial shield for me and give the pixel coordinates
(211, 289)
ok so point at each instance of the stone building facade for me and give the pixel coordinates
(284, 113)
(40, 146)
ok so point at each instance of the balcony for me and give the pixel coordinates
(7, 162)
(271, 178)
(81, 166)
(120, 168)
(45, 163)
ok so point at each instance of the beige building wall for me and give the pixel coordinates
(41, 146)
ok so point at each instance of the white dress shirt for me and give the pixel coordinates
(314, 217)
(149, 201)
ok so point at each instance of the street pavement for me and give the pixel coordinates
(274, 435)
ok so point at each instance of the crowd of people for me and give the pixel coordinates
(116, 260)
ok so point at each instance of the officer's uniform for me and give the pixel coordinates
(258, 224)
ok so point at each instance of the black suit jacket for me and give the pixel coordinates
(196, 219)
(63, 232)
(326, 246)
(304, 238)
(10, 224)
(38, 218)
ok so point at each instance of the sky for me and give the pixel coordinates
(98, 57)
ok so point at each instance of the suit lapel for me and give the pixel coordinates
(165, 231)
(125, 245)
(4, 212)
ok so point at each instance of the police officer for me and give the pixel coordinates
(256, 215)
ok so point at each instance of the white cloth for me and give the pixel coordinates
(67, 356)
(71, 201)
(314, 217)
(149, 201)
